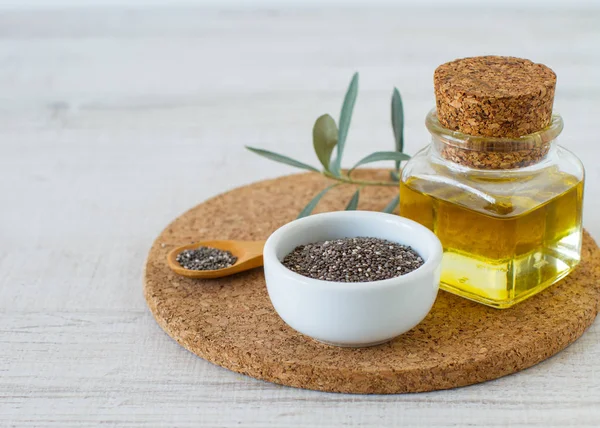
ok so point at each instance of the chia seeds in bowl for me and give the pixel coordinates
(360, 259)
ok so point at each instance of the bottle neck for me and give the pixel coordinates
(489, 153)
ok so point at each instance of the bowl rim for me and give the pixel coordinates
(407, 279)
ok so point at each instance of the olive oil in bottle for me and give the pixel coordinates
(499, 250)
(503, 197)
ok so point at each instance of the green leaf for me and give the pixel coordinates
(325, 138)
(345, 118)
(280, 158)
(395, 176)
(380, 156)
(353, 201)
(398, 122)
(389, 208)
(314, 201)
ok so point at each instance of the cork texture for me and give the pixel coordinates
(494, 96)
(230, 321)
(488, 159)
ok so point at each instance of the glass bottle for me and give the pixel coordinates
(507, 210)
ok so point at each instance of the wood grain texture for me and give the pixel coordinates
(115, 121)
(231, 321)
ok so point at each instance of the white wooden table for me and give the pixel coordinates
(114, 121)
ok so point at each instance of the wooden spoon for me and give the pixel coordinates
(249, 256)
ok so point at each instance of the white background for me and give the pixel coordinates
(114, 120)
(252, 4)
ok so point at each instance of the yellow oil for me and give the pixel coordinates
(499, 248)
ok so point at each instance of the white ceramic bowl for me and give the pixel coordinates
(360, 313)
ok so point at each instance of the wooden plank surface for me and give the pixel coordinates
(114, 121)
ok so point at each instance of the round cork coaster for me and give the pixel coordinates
(230, 321)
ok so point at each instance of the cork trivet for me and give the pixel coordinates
(230, 321)
(494, 96)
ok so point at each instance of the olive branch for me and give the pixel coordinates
(327, 136)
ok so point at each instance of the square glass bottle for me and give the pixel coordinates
(505, 199)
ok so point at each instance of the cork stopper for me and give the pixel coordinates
(496, 97)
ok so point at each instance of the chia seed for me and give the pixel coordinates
(206, 258)
(353, 260)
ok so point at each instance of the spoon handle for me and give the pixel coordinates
(254, 248)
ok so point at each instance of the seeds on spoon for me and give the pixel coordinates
(206, 258)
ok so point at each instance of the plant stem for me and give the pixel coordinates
(348, 180)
